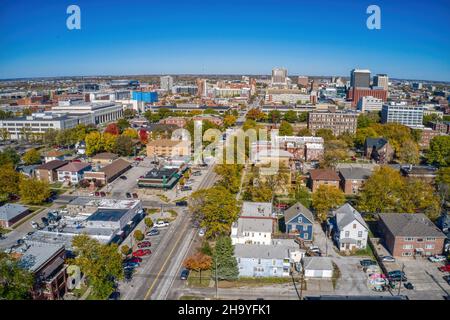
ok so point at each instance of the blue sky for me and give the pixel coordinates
(229, 36)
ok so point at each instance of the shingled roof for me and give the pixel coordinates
(324, 174)
(296, 209)
(410, 225)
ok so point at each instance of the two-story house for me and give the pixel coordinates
(72, 172)
(255, 224)
(320, 177)
(349, 229)
(299, 220)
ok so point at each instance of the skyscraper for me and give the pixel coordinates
(279, 75)
(360, 78)
(381, 80)
(166, 83)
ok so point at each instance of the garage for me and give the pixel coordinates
(318, 267)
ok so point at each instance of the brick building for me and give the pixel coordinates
(320, 177)
(338, 122)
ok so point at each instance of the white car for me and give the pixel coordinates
(388, 259)
(201, 232)
(161, 224)
(437, 258)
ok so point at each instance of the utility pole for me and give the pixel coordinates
(401, 278)
(217, 287)
(301, 281)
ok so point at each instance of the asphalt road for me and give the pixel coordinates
(154, 278)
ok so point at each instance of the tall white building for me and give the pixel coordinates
(100, 112)
(381, 80)
(166, 83)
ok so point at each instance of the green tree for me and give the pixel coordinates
(32, 156)
(93, 143)
(33, 191)
(123, 124)
(9, 156)
(286, 129)
(9, 181)
(49, 137)
(419, 196)
(439, 152)
(4, 134)
(302, 195)
(304, 132)
(125, 250)
(15, 281)
(229, 120)
(100, 263)
(325, 198)
(123, 145)
(326, 134)
(129, 132)
(206, 249)
(230, 176)
(215, 208)
(224, 261)
(129, 113)
(408, 152)
(290, 116)
(148, 222)
(274, 116)
(198, 262)
(303, 117)
(138, 235)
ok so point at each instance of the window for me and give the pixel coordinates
(347, 234)
(429, 246)
(430, 239)
(354, 226)
(407, 246)
(419, 240)
(359, 234)
(406, 254)
(408, 239)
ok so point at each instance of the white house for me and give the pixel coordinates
(252, 231)
(349, 228)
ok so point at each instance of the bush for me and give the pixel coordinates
(138, 235)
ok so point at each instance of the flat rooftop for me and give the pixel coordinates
(107, 215)
(105, 203)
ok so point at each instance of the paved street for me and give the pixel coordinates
(154, 278)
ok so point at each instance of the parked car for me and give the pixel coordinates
(123, 177)
(181, 203)
(314, 248)
(409, 286)
(132, 265)
(197, 173)
(184, 274)
(133, 259)
(102, 194)
(128, 195)
(141, 252)
(397, 275)
(445, 268)
(388, 259)
(367, 262)
(447, 279)
(138, 159)
(144, 244)
(437, 258)
(135, 195)
(161, 224)
(97, 194)
(153, 232)
(114, 296)
(186, 188)
(201, 232)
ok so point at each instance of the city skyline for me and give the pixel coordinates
(230, 38)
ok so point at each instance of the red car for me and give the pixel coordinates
(445, 268)
(138, 159)
(144, 244)
(141, 253)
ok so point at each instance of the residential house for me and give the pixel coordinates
(408, 234)
(273, 260)
(11, 213)
(299, 220)
(349, 229)
(320, 177)
(53, 155)
(379, 150)
(352, 179)
(72, 172)
(47, 171)
(426, 173)
(255, 225)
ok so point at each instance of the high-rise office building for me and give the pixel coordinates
(303, 81)
(381, 80)
(166, 83)
(360, 78)
(279, 75)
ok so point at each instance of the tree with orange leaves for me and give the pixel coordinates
(198, 262)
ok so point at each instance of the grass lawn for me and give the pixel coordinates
(194, 279)
(163, 197)
(366, 252)
(173, 214)
(191, 298)
(336, 275)
(152, 211)
(253, 282)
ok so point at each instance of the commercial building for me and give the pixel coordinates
(303, 81)
(279, 76)
(168, 148)
(381, 80)
(369, 104)
(190, 90)
(12, 213)
(338, 122)
(165, 178)
(287, 96)
(145, 96)
(411, 116)
(108, 173)
(410, 235)
(166, 83)
(354, 94)
(360, 78)
(99, 112)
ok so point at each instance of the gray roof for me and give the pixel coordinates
(410, 225)
(355, 173)
(262, 251)
(317, 263)
(257, 209)
(254, 225)
(346, 214)
(378, 143)
(296, 209)
(36, 254)
(11, 210)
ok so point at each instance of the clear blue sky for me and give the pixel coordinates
(229, 36)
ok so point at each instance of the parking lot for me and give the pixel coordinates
(119, 187)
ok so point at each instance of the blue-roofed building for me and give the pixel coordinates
(145, 96)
